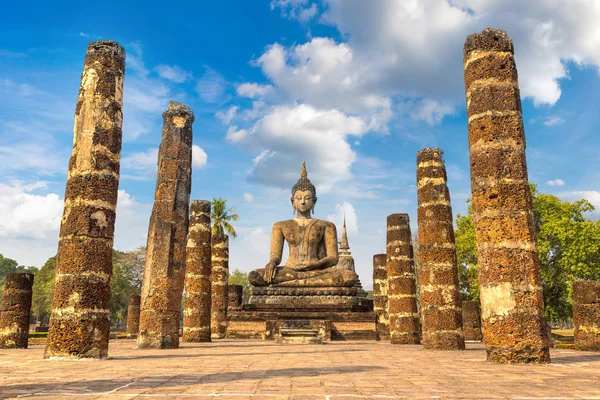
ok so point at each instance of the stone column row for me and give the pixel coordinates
(15, 310)
(197, 303)
(380, 296)
(219, 295)
(512, 303)
(438, 271)
(402, 299)
(164, 271)
(586, 315)
(79, 323)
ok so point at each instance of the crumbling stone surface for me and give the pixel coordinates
(164, 271)
(235, 297)
(586, 315)
(220, 274)
(133, 315)
(380, 296)
(471, 316)
(79, 323)
(15, 309)
(402, 298)
(438, 272)
(512, 304)
(196, 309)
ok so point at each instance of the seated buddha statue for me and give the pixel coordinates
(313, 247)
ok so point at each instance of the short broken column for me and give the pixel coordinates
(133, 315)
(235, 295)
(219, 295)
(15, 310)
(197, 303)
(164, 271)
(438, 272)
(402, 290)
(79, 324)
(471, 316)
(380, 296)
(586, 315)
(512, 303)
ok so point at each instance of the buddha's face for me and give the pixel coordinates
(303, 201)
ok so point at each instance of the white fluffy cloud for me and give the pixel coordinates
(346, 210)
(593, 196)
(248, 197)
(199, 156)
(302, 10)
(290, 134)
(556, 182)
(174, 73)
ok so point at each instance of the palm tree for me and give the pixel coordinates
(221, 216)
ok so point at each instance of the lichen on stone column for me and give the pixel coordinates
(79, 323)
(438, 271)
(402, 290)
(512, 304)
(219, 295)
(197, 303)
(380, 296)
(15, 310)
(164, 271)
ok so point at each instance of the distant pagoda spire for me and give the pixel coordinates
(344, 246)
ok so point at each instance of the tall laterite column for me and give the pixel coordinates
(219, 295)
(438, 271)
(586, 315)
(380, 296)
(164, 271)
(15, 309)
(512, 304)
(79, 323)
(471, 320)
(133, 315)
(402, 290)
(196, 308)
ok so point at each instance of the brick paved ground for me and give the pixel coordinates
(253, 369)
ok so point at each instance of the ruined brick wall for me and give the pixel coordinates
(471, 320)
(15, 309)
(380, 296)
(512, 304)
(197, 303)
(79, 323)
(438, 272)
(586, 315)
(235, 296)
(164, 271)
(402, 299)
(133, 315)
(220, 274)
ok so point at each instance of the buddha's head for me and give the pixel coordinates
(304, 194)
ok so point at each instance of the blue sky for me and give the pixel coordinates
(354, 88)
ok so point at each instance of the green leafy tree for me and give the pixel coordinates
(221, 217)
(238, 277)
(126, 280)
(43, 291)
(568, 245)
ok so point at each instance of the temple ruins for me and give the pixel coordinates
(219, 290)
(164, 271)
(471, 316)
(380, 296)
(197, 302)
(133, 315)
(80, 324)
(586, 315)
(512, 304)
(402, 290)
(15, 310)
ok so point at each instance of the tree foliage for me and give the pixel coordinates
(43, 291)
(568, 245)
(238, 277)
(126, 280)
(221, 217)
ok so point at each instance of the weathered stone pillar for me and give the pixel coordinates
(15, 309)
(402, 299)
(79, 323)
(586, 315)
(471, 320)
(219, 295)
(133, 315)
(235, 296)
(196, 308)
(438, 271)
(512, 304)
(380, 296)
(164, 271)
